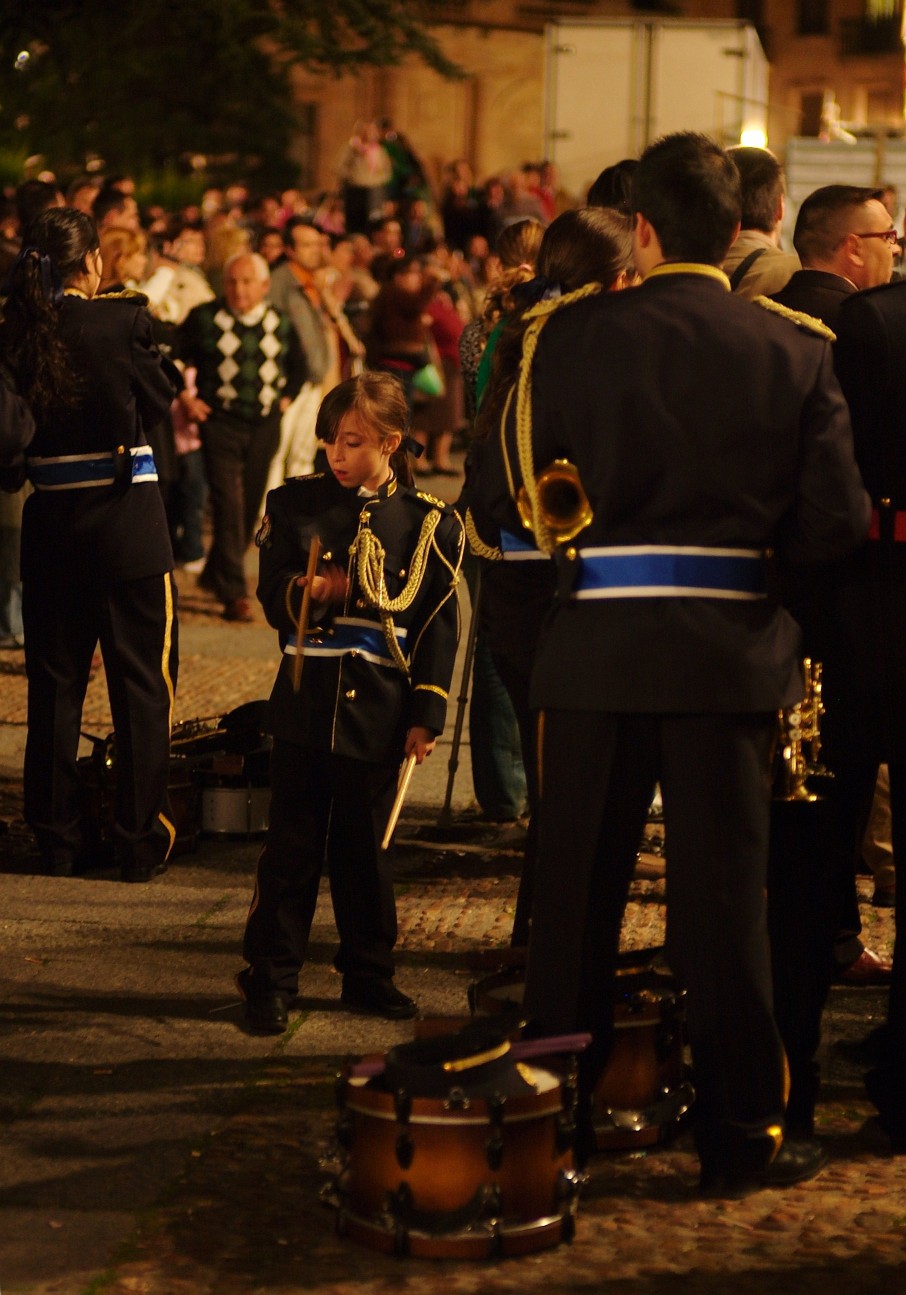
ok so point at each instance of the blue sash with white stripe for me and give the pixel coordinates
(79, 471)
(517, 548)
(348, 635)
(669, 571)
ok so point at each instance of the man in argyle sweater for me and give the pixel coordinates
(249, 367)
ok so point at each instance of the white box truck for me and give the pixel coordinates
(614, 86)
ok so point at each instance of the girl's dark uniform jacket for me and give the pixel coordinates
(118, 532)
(347, 704)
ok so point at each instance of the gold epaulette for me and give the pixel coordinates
(127, 294)
(307, 476)
(431, 499)
(798, 317)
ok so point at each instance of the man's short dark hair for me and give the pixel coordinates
(687, 188)
(294, 223)
(824, 219)
(109, 199)
(761, 180)
(78, 184)
(613, 187)
(31, 198)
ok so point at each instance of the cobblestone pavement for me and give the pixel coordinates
(244, 1218)
(149, 1146)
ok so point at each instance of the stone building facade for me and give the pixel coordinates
(835, 65)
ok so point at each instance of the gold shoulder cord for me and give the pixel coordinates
(798, 317)
(538, 315)
(477, 544)
(369, 555)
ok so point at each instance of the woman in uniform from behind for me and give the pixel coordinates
(586, 250)
(96, 557)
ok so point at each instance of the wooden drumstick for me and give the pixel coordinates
(302, 623)
(519, 1050)
(400, 797)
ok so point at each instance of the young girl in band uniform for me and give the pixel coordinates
(378, 656)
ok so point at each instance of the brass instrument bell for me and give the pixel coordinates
(563, 504)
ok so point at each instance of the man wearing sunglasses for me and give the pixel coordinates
(846, 243)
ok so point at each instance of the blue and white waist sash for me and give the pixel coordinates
(515, 548)
(350, 635)
(670, 571)
(79, 471)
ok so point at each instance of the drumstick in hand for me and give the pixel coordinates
(400, 797)
(302, 623)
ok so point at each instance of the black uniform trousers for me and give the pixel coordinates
(237, 459)
(598, 772)
(851, 792)
(329, 807)
(804, 902)
(516, 681)
(135, 623)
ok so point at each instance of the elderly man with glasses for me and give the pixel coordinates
(853, 612)
(846, 243)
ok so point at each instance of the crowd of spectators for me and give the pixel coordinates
(385, 268)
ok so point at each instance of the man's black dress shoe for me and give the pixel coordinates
(795, 1162)
(866, 1051)
(58, 863)
(265, 1013)
(377, 997)
(142, 872)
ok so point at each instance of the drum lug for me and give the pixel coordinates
(339, 1090)
(494, 1148)
(570, 1089)
(456, 1100)
(493, 1152)
(569, 1183)
(405, 1150)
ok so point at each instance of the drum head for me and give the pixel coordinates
(475, 1059)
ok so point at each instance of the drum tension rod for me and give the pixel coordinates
(402, 1104)
(405, 1150)
(494, 1147)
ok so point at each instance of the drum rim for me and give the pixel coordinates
(485, 1240)
(477, 1113)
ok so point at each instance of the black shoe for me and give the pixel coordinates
(58, 863)
(866, 1051)
(795, 1162)
(264, 1013)
(376, 997)
(885, 1094)
(142, 872)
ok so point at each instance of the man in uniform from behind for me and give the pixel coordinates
(704, 431)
